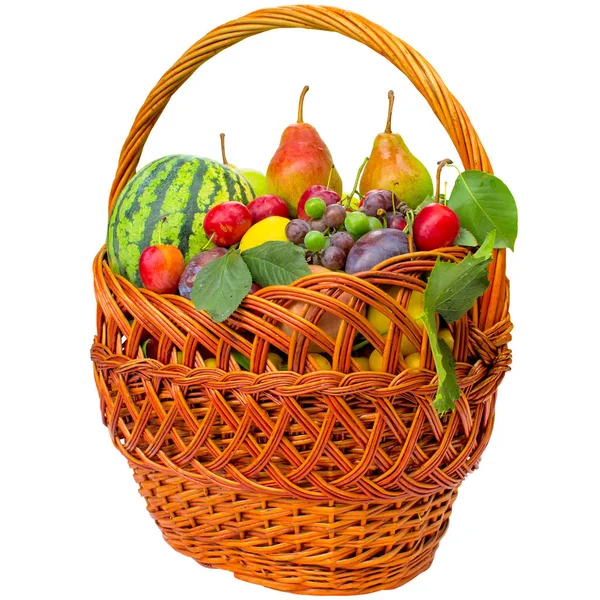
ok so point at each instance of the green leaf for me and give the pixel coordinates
(221, 285)
(241, 360)
(448, 391)
(427, 200)
(484, 203)
(276, 263)
(452, 289)
(465, 238)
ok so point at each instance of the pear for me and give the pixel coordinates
(393, 167)
(302, 160)
(255, 178)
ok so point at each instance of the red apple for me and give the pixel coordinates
(226, 223)
(328, 195)
(267, 206)
(161, 267)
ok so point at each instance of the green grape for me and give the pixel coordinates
(314, 241)
(315, 207)
(374, 223)
(357, 223)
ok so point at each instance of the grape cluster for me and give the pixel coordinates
(330, 230)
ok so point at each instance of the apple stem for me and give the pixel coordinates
(441, 165)
(388, 125)
(160, 226)
(358, 174)
(223, 148)
(207, 243)
(301, 104)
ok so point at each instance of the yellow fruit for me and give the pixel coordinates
(407, 347)
(179, 354)
(415, 308)
(445, 335)
(413, 361)
(381, 323)
(275, 359)
(271, 229)
(321, 361)
(378, 319)
(210, 363)
(376, 361)
(363, 363)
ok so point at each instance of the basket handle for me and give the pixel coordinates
(422, 75)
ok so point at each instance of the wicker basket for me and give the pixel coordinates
(308, 481)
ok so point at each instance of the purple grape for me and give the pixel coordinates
(318, 225)
(334, 216)
(333, 258)
(296, 230)
(380, 199)
(342, 240)
(375, 247)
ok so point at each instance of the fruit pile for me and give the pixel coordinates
(214, 233)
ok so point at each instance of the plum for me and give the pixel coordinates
(375, 247)
(186, 281)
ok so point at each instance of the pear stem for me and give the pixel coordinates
(358, 174)
(223, 149)
(388, 125)
(441, 165)
(301, 104)
(330, 174)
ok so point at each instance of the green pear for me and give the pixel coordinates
(393, 167)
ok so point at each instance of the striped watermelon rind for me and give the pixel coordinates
(183, 189)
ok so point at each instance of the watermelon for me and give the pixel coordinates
(181, 188)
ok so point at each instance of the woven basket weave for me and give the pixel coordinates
(308, 481)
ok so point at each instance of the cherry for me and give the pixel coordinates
(226, 223)
(161, 267)
(267, 206)
(316, 191)
(395, 221)
(435, 226)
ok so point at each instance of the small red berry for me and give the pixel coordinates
(436, 226)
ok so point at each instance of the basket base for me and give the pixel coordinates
(314, 548)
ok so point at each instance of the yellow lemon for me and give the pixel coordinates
(321, 361)
(445, 335)
(363, 363)
(271, 229)
(210, 363)
(413, 361)
(376, 361)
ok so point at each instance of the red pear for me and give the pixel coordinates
(301, 160)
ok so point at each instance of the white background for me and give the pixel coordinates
(73, 77)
